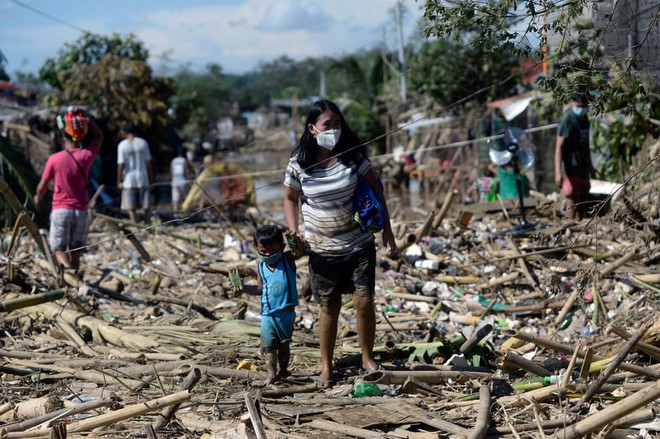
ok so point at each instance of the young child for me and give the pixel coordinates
(276, 282)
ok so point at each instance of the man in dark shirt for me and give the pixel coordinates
(572, 153)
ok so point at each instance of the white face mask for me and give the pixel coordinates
(328, 139)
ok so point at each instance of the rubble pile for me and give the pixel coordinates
(485, 329)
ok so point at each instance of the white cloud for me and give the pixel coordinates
(236, 34)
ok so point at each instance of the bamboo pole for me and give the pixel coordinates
(479, 333)
(16, 206)
(57, 414)
(568, 350)
(611, 367)
(648, 349)
(632, 252)
(613, 412)
(447, 201)
(483, 415)
(567, 306)
(27, 301)
(427, 376)
(187, 384)
(519, 362)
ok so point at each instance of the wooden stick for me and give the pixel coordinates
(524, 255)
(57, 414)
(255, 417)
(632, 252)
(612, 367)
(611, 413)
(425, 227)
(17, 207)
(27, 301)
(144, 254)
(483, 415)
(220, 212)
(568, 350)
(519, 362)
(481, 331)
(648, 349)
(567, 306)
(342, 429)
(14, 234)
(447, 201)
(187, 384)
(522, 263)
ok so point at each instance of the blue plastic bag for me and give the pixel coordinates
(369, 210)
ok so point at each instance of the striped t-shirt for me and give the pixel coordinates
(327, 206)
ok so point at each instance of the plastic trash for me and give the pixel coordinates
(367, 389)
(427, 264)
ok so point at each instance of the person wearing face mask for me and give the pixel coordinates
(573, 165)
(276, 283)
(320, 181)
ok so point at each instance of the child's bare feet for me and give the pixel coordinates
(270, 380)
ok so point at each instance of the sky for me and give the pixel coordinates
(236, 34)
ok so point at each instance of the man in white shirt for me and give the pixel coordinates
(134, 174)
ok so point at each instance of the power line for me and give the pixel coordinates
(80, 29)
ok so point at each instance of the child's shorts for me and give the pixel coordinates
(276, 329)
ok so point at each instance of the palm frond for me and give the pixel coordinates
(19, 174)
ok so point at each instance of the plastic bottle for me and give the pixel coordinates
(366, 389)
(553, 379)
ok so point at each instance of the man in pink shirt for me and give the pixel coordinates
(69, 220)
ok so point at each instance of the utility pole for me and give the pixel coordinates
(322, 88)
(402, 59)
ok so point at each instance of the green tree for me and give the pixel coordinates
(200, 100)
(616, 82)
(110, 74)
(447, 71)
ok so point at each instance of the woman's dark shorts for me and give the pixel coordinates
(332, 276)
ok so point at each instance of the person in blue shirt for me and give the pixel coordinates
(276, 282)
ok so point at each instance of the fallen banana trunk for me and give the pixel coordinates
(100, 330)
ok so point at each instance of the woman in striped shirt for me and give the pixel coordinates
(320, 181)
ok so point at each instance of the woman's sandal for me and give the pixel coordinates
(372, 370)
(324, 384)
